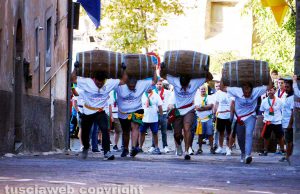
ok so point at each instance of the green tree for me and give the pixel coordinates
(270, 42)
(133, 23)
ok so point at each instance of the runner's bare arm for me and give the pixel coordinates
(204, 108)
(160, 110)
(270, 86)
(154, 79)
(216, 107)
(74, 76)
(290, 126)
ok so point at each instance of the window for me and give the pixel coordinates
(48, 44)
(221, 17)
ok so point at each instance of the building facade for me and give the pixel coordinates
(33, 74)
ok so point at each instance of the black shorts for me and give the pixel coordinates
(126, 123)
(277, 129)
(223, 124)
(288, 135)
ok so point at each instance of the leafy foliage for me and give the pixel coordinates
(133, 23)
(218, 59)
(271, 43)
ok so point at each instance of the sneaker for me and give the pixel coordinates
(84, 153)
(219, 150)
(166, 149)
(191, 151)
(125, 152)
(248, 159)
(115, 148)
(212, 151)
(187, 156)
(207, 141)
(140, 150)
(134, 152)
(109, 156)
(81, 148)
(228, 151)
(242, 158)
(283, 159)
(151, 149)
(199, 151)
(179, 151)
(95, 150)
(156, 151)
(265, 153)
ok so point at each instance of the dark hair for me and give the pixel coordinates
(184, 81)
(274, 71)
(281, 79)
(288, 81)
(132, 80)
(247, 84)
(100, 75)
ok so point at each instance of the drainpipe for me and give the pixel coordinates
(70, 52)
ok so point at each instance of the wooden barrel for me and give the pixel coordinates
(235, 73)
(185, 63)
(103, 60)
(258, 141)
(139, 66)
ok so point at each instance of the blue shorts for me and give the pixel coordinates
(207, 128)
(153, 127)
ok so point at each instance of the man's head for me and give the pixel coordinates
(247, 89)
(288, 86)
(274, 74)
(271, 92)
(217, 85)
(99, 78)
(203, 90)
(184, 81)
(280, 83)
(159, 84)
(131, 83)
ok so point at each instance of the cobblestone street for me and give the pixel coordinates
(164, 173)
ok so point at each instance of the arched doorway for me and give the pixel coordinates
(18, 89)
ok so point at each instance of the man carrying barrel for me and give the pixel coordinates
(185, 89)
(95, 92)
(245, 114)
(131, 110)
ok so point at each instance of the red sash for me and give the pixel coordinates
(239, 118)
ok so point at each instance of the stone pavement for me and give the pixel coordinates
(148, 173)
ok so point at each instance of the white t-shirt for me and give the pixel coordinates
(244, 106)
(198, 102)
(79, 99)
(150, 113)
(167, 95)
(224, 101)
(130, 101)
(182, 97)
(287, 108)
(279, 93)
(92, 95)
(213, 97)
(277, 107)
